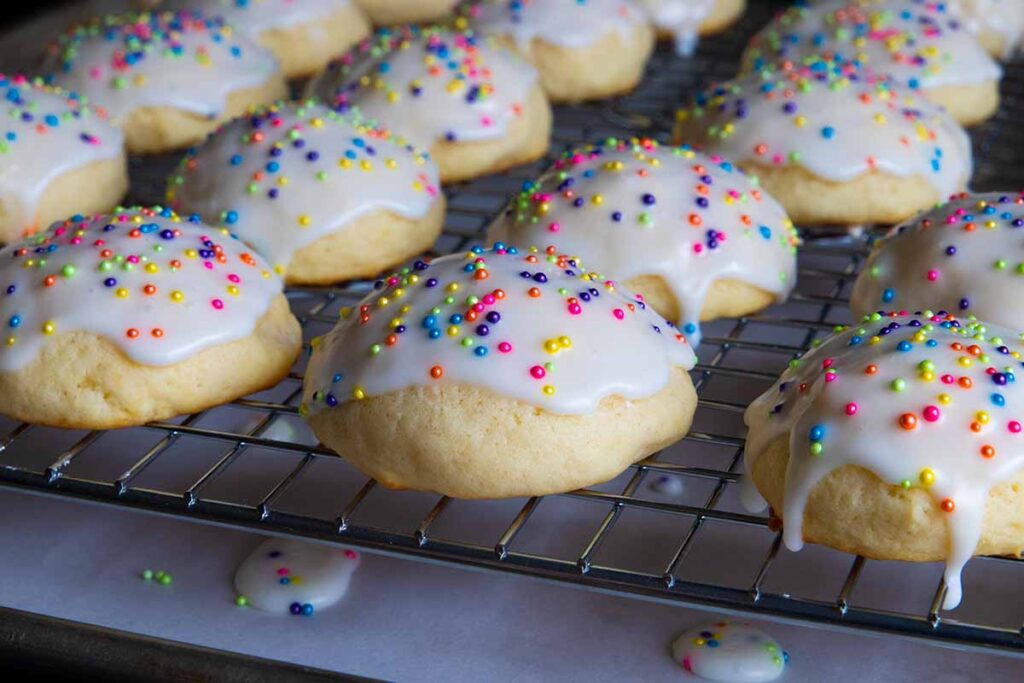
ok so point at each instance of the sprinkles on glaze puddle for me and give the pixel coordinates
(533, 326)
(158, 287)
(730, 652)
(430, 84)
(632, 207)
(835, 119)
(966, 255)
(171, 59)
(921, 43)
(920, 400)
(46, 133)
(285, 176)
(288, 576)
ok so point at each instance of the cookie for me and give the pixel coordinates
(166, 79)
(58, 157)
(303, 34)
(922, 44)
(686, 20)
(120, 319)
(323, 196)
(897, 439)
(959, 257)
(391, 12)
(583, 49)
(997, 24)
(834, 143)
(475, 106)
(690, 233)
(498, 373)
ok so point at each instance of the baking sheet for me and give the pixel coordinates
(402, 620)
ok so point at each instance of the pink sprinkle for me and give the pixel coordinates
(538, 372)
(489, 299)
(575, 309)
(478, 307)
(504, 347)
(931, 413)
(948, 379)
(487, 121)
(554, 227)
(827, 363)
(234, 278)
(619, 313)
(933, 275)
(283, 571)
(351, 554)
(1014, 426)
(218, 304)
(851, 409)
(830, 376)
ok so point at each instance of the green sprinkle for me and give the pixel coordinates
(147, 574)
(898, 385)
(241, 601)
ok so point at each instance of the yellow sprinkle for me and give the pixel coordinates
(177, 296)
(548, 390)
(304, 220)
(49, 327)
(358, 393)
(927, 477)
(122, 293)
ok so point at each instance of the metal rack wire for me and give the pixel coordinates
(253, 464)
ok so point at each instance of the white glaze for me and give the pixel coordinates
(730, 652)
(844, 122)
(283, 571)
(629, 208)
(252, 17)
(1002, 17)
(598, 341)
(940, 452)
(681, 18)
(566, 23)
(920, 43)
(965, 257)
(224, 289)
(284, 177)
(430, 85)
(45, 134)
(93, 60)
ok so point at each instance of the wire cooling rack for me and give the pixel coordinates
(670, 528)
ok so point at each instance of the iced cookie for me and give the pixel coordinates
(692, 234)
(920, 43)
(166, 79)
(897, 439)
(965, 257)
(391, 12)
(498, 373)
(997, 24)
(120, 319)
(323, 196)
(475, 106)
(686, 20)
(583, 49)
(834, 143)
(303, 34)
(58, 157)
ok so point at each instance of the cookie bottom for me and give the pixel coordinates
(303, 49)
(854, 511)
(525, 140)
(467, 442)
(969, 105)
(610, 66)
(871, 198)
(151, 130)
(390, 12)
(725, 299)
(367, 247)
(93, 188)
(82, 381)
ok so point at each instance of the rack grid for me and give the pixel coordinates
(253, 463)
